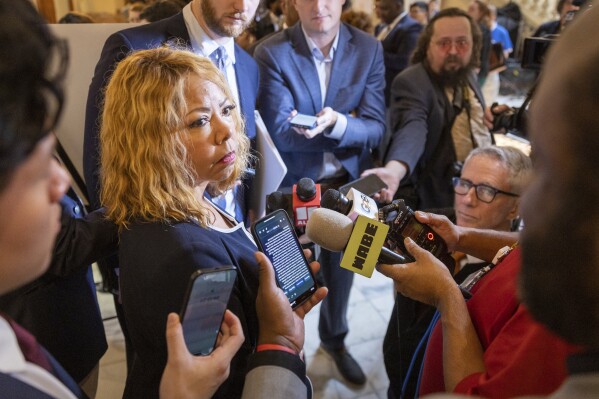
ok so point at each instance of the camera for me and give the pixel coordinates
(512, 119)
(402, 223)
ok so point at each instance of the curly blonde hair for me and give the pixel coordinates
(146, 173)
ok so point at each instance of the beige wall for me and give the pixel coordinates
(110, 6)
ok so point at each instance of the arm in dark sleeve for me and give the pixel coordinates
(409, 113)
(81, 241)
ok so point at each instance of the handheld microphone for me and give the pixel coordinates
(352, 205)
(305, 199)
(279, 200)
(361, 242)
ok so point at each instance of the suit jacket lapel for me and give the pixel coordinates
(244, 86)
(301, 56)
(343, 56)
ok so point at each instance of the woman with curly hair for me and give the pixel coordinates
(171, 133)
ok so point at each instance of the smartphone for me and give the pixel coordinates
(275, 236)
(368, 185)
(204, 307)
(303, 121)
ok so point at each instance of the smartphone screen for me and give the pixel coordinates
(204, 307)
(275, 237)
(369, 185)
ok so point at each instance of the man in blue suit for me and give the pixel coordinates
(325, 68)
(203, 26)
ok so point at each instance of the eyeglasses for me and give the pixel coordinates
(483, 192)
(460, 44)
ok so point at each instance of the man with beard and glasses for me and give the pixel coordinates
(436, 114)
(206, 27)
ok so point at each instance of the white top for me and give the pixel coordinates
(13, 362)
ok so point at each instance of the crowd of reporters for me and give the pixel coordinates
(489, 346)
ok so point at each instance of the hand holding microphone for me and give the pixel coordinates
(362, 242)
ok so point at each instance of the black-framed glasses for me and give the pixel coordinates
(483, 192)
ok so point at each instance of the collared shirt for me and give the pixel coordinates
(468, 130)
(331, 165)
(13, 362)
(202, 44)
(387, 29)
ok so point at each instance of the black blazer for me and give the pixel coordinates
(397, 49)
(60, 308)
(420, 119)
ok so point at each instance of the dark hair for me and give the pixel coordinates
(160, 10)
(30, 98)
(426, 35)
(358, 19)
(485, 13)
(420, 4)
(74, 17)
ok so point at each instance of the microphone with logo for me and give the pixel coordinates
(305, 199)
(352, 205)
(362, 241)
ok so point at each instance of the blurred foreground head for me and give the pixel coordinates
(560, 274)
(31, 182)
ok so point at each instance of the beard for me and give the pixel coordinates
(217, 26)
(452, 76)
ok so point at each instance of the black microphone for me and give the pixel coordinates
(352, 205)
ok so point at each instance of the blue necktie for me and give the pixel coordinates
(219, 58)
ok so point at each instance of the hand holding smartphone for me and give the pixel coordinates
(275, 237)
(369, 185)
(204, 307)
(304, 121)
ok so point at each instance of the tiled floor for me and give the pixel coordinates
(370, 305)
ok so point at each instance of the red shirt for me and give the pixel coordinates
(521, 356)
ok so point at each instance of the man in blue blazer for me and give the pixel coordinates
(328, 69)
(202, 26)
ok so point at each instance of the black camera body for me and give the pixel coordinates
(510, 120)
(402, 223)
